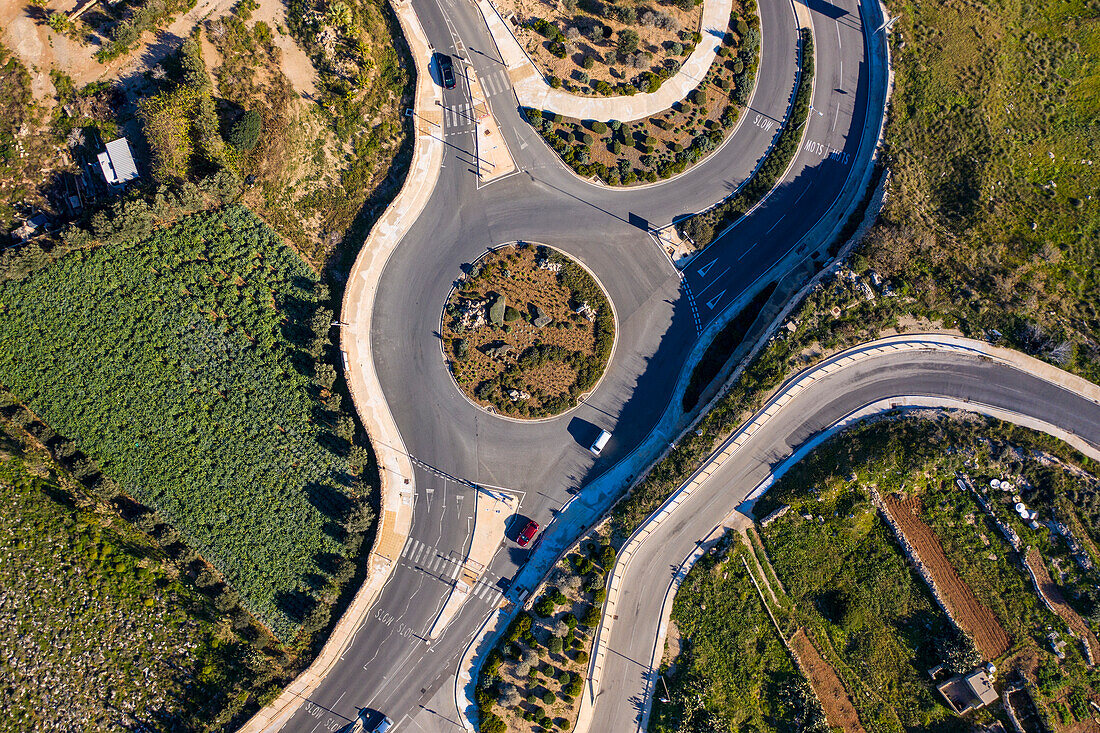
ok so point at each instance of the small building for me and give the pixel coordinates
(30, 228)
(117, 163)
(964, 693)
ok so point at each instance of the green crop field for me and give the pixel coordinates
(96, 629)
(184, 365)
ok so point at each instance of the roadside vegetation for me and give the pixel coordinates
(532, 681)
(993, 144)
(608, 48)
(733, 670)
(527, 331)
(322, 169)
(658, 147)
(99, 629)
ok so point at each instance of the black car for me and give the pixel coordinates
(446, 70)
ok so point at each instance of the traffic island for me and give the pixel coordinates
(527, 332)
(491, 512)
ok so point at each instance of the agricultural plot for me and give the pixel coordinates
(185, 364)
(98, 631)
(966, 610)
(830, 691)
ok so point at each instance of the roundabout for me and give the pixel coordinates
(444, 451)
(527, 331)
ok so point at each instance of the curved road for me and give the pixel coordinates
(987, 385)
(389, 665)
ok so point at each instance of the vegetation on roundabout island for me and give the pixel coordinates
(527, 331)
(660, 146)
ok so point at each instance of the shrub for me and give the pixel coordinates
(582, 657)
(628, 42)
(615, 124)
(738, 66)
(557, 48)
(582, 77)
(576, 685)
(246, 131)
(510, 313)
(591, 617)
(532, 699)
(599, 127)
(555, 645)
(491, 723)
(549, 698)
(555, 82)
(587, 138)
(570, 620)
(676, 49)
(616, 147)
(545, 607)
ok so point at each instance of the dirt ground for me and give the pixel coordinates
(1053, 594)
(651, 38)
(524, 286)
(839, 711)
(43, 50)
(968, 612)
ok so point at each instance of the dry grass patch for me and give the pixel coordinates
(527, 332)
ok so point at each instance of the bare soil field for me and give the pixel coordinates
(839, 711)
(1053, 595)
(967, 611)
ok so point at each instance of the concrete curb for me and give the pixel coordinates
(394, 467)
(533, 90)
(797, 383)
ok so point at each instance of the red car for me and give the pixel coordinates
(528, 534)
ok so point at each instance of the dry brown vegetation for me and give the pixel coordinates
(516, 364)
(591, 30)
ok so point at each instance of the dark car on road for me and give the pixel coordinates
(446, 70)
(528, 534)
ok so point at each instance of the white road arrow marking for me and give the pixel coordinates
(715, 299)
(705, 268)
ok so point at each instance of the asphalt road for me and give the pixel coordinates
(823, 403)
(389, 666)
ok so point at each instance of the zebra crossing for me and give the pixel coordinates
(425, 558)
(459, 116)
(495, 83)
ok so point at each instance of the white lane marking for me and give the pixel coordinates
(838, 43)
(747, 251)
(716, 279)
(773, 226)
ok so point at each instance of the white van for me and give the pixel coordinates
(599, 443)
